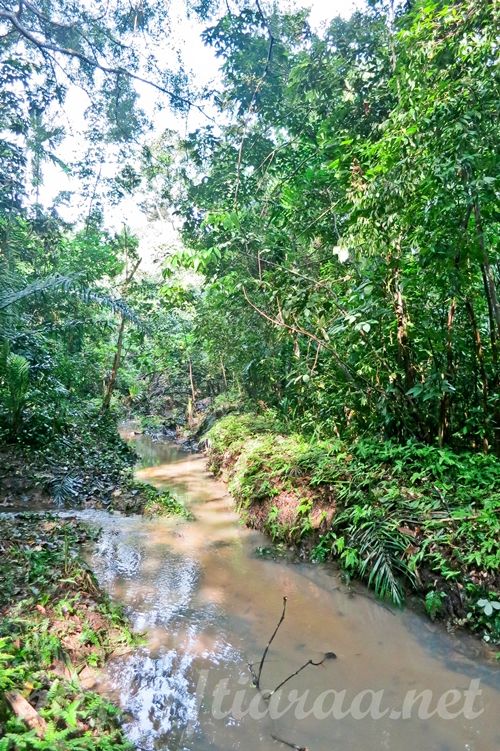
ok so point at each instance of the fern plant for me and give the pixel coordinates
(16, 380)
(377, 535)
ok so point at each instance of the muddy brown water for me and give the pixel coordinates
(208, 606)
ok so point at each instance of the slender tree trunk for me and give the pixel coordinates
(110, 386)
(191, 382)
(402, 332)
(489, 285)
(444, 416)
(222, 367)
(479, 354)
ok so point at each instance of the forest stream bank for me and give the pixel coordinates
(58, 627)
(167, 617)
(416, 523)
(208, 602)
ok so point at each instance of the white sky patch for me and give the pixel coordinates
(200, 61)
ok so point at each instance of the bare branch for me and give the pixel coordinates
(94, 63)
(328, 656)
(270, 642)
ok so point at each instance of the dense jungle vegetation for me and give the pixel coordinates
(333, 294)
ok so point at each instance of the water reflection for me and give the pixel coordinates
(208, 606)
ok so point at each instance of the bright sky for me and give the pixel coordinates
(158, 236)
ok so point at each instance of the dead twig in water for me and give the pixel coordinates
(257, 683)
(257, 675)
(290, 745)
(328, 656)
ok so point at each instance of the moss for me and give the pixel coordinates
(403, 517)
(227, 437)
(159, 502)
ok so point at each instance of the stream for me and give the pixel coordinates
(208, 605)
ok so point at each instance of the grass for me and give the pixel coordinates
(56, 626)
(406, 519)
(159, 502)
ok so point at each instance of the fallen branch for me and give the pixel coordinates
(290, 745)
(328, 656)
(257, 676)
(26, 712)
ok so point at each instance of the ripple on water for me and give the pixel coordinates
(161, 694)
(157, 693)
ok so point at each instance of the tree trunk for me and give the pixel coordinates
(191, 382)
(479, 353)
(402, 332)
(444, 416)
(223, 372)
(110, 387)
(489, 285)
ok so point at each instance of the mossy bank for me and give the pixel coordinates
(57, 627)
(410, 520)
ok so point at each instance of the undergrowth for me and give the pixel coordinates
(160, 502)
(56, 627)
(405, 518)
(83, 464)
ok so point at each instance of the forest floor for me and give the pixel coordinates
(57, 627)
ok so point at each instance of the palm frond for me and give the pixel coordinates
(65, 487)
(381, 548)
(73, 285)
(377, 534)
(115, 304)
(40, 285)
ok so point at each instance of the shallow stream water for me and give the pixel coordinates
(208, 605)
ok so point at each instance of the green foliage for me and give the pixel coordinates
(55, 616)
(434, 603)
(15, 380)
(402, 517)
(160, 502)
(346, 228)
(231, 432)
(484, 618)
(56, 323)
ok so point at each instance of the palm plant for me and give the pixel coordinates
(15, 367)
(377, 534)
(16, 380)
